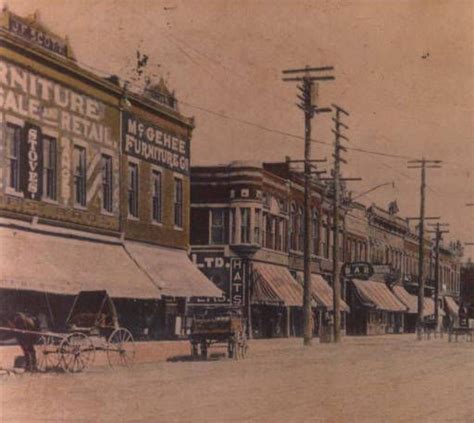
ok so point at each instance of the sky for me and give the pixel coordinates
(403, 69)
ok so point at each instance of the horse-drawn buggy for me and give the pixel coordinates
(224, 327)
(92, 325)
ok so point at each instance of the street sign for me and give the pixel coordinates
(357, 270)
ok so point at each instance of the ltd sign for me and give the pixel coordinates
(357, 270)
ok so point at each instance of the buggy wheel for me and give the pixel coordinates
(76, 352)
(243, 347)
(47, 351)
(121, 348)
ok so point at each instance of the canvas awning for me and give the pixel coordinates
(429, 308)
(322, 293)
(451, 306)
(377, 295)
(411, 301)
(275, 285)
(172, 271)
(44, 262)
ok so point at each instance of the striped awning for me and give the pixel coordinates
(274, 285)
(322, 293)
(410, 300)
(377, 295)
(451, 306)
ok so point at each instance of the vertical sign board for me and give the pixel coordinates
(146, 141)
(31, 154)
(228, 274)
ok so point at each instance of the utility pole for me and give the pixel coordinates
(336, 179)
(438, 237)
(422, 164)
(307, 78)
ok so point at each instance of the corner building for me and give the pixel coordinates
(94, 188)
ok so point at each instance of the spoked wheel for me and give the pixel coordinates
(243, 347)
(121, 348)
(77, 352)
(47, 352)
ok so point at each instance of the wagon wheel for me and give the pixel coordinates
(76, 352)
(120, 348)
(47, 353)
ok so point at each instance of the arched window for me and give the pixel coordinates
(293, 227)
(300, 229)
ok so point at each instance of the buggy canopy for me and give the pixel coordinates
(47, 262)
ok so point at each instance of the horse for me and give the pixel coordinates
(27, 341)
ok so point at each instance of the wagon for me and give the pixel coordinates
(228, 329)
(92, 325)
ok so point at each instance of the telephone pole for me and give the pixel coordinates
(422, 164)
(307, 77)
(336, 179)
(438, 238)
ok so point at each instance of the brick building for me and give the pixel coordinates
(94, 187)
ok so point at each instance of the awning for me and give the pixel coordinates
(429, 308)
(377, 295)
(451, 306)
(275, 285)
(172, 271)
(411, 301)
(56, 264)
(322, 293)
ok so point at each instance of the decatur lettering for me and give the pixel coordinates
(148, 142)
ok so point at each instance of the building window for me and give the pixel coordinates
(49, 167)
(256, 227)
(300, 245)
(107, 203)
(13, 144)
(278, 234)
(79, 160)
(218, 226)
(244, 225)
(156, 199)
(232, 226)
(133, 189)
(293, 228)
(178, 202)
(315, 231)
(270, 232)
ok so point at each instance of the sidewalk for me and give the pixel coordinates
(159, 351)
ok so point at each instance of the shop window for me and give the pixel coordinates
(245, 225)
(13, 140)
(79, 160)
(156, 197)
(133, 190)
(178, 202)
(218, 226)
(49, 168)
(107, 188)
(256, 227)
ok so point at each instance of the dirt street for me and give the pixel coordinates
(378, 379)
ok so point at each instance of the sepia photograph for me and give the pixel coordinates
(256, 211)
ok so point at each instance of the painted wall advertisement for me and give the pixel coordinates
(146, 141)
(40, 106)
(226, 273)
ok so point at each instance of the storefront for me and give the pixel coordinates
(375, 310)
(277, 301)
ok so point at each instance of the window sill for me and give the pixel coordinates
(156, 223)
(79, 207)
(178, 228)
(107, 213)
(14, 193)
(133, 218)
(50, 201)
